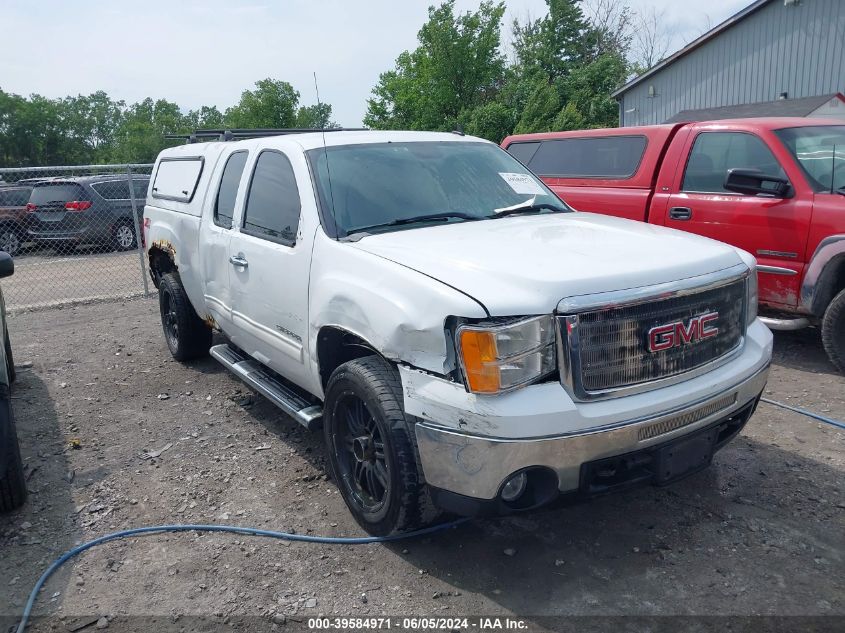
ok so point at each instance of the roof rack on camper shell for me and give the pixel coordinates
(236, 134)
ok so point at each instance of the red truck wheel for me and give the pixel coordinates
(833, 331)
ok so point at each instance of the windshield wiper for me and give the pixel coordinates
(841, 190)
(530, 207)
(430, 217)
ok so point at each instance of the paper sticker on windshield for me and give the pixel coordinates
(522, 183)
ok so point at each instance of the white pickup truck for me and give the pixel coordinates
(469, 343)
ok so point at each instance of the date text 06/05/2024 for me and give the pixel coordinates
(422, 623)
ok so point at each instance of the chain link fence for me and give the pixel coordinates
(75, 233)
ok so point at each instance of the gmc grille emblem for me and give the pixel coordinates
(677, 333)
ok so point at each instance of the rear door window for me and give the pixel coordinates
(714, 153)
(224, 207)
(608, 157)
(272, 205)
(177, 178)
(112, 189)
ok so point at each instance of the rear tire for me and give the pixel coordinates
(187, 336)
(12, 482)
(124, 237)
(833, 331)
(10, 240)
(372, 448)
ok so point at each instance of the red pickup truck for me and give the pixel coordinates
(772, 186)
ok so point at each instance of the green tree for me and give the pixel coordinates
(272, 104)
(540, 109)
(206, 117)
(36, 132)
(570, 118)
(316, 116)
(91, 122)
(493, 120)
(12, 135)
(567, 66)
(95, 128)
(554, 44)
(588, 89)
(457, 66)
(140, 136)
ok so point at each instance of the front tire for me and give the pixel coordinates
(833, 331)
(372, 448)
(187, 336)
(12, 482)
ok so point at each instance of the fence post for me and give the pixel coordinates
(138, 234)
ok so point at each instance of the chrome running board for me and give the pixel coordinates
(269, 385)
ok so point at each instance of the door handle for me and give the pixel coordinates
(239, 260)
(680, 213)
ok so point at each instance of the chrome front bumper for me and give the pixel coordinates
(476, 466)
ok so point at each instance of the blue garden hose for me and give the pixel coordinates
(809, 414)
(158, 529)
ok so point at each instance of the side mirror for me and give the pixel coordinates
(7, 264)
(752, 182)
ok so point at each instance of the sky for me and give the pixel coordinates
(206, 52)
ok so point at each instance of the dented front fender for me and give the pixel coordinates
(401, 313)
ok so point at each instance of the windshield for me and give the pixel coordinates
(379, 186)
(820, 151)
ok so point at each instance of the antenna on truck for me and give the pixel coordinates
(325, 152)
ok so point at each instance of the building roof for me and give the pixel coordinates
(709, 35)
(782, 107)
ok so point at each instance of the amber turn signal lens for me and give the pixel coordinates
(479, 355)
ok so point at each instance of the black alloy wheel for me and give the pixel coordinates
(169, 319)
(188, 337)
(372, 450)
(364, 470)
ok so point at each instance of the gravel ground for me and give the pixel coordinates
(115, 434)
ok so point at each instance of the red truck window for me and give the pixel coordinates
(609, 157)
(820, 151)
(714, 153)
(523, 152)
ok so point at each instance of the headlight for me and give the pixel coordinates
(496, 358)
(753, 297)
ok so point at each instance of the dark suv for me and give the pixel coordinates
(86, 210)
(13, 199)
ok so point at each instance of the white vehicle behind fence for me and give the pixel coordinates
(469, 343)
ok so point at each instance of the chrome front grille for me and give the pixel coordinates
(604, 348)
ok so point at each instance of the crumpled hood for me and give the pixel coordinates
(527, 264)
